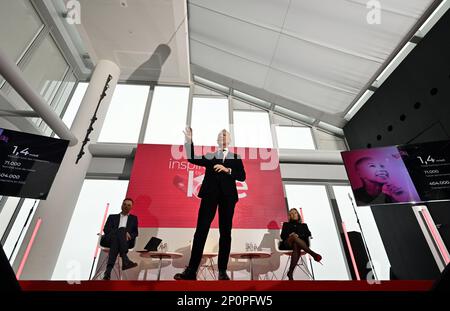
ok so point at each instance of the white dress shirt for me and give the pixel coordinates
(123, 221)
(225, 153)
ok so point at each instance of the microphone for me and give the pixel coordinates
(350, 197)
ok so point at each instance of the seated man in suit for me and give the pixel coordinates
(120, 234)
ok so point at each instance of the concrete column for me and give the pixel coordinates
(56, 212)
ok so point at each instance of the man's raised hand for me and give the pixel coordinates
(188, 134)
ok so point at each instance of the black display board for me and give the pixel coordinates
(29, 163)
(428, 164)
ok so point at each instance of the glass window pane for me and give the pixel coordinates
(317, 213)
(252, 129)
(19, 228)
(369, 227)
(213, 85)
(240, 105)
(280, 120)
(252, 99)
(7, 212)
(325, 141)
(62, 97)
(88, 215)
(199, 90)
(209, 117)
(20, 24)
(74, 105)
(124, 118)
(167, 118)
(292, 137)
(293, 114)
(44, 71)
(60, 100)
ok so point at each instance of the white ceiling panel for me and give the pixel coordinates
(413, 8)
(267, 13)
(234, 67)
(250, 41)
(131, 34)
(319, 54)
(345, 27)
(328, 67)
(306, 92)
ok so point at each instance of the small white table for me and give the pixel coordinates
(160, 256)
(250, 256)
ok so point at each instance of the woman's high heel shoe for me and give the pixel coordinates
(290, 275)
(318, 258)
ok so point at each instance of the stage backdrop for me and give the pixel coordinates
(164, 188)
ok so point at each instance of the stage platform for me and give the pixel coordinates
(204, 286)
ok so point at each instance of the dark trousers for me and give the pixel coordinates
(117, 242)
(206, 213)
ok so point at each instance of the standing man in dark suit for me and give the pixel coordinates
(120, 235)
(223, 168)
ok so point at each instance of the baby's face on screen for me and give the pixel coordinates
(374, 171)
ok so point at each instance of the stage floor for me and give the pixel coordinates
(359, 286)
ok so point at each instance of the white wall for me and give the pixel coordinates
(369, 227)
(91, 204)
(317, 212)
(77, 253)
(313, 172)
(179, 239)
(6, 213)
(21, 224)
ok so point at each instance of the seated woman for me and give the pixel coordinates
(295, 235)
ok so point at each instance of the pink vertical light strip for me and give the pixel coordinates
(27, 251)
(350, 250)
(301, 214)
(101, 229)
(435, 235)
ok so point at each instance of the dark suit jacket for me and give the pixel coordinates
(297, 227)
(218, 183)
(112, 223)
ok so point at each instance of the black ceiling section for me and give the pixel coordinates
(413, 104)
